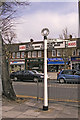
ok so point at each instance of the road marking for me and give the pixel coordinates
(49, 85)
(63, 86)
(60, 100)
(23, 83)
(23, 96)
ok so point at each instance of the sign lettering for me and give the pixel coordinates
(72, 44)
(22, 47)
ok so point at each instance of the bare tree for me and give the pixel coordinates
(7, 35)
(64, 34)
(61, 36)
(65, 53)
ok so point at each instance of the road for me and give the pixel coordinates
(56, 91)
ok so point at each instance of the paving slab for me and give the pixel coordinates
(11, 114)
(30, 104)
(49, 114)
(70, 111)
(7, 108)
(34, 109)
(31, 113)
(25, 116)
(65, 115)
(21, 108)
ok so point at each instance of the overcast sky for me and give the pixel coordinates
(53, 15)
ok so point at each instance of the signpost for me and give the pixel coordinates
(45, 33)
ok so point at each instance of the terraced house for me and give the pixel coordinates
(61, 54)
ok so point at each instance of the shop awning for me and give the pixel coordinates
(56, 63)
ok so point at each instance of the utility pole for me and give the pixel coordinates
(79, 18)
(45, 33)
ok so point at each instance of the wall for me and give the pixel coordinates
(52, 75)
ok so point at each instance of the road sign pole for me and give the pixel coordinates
(45, 107)
(45, 33)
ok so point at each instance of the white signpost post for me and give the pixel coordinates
(45, 32)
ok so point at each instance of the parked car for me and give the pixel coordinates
(68, 76)
(36, 72)
(26, 75)
(39, 73)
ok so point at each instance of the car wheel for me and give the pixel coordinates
(61, 80)
(15, 78)
(35, 79)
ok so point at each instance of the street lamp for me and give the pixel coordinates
(45, 33)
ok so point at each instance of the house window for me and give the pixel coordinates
(13, 55)
(29, 54)
(34, 54)
(78, 52)
(10, 55)
(53, 53)
(18, 54)
(64, 53)
(58, 53)
(74, 52)
(39, 54)
(22, 54)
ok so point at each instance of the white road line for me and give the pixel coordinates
(49, 85)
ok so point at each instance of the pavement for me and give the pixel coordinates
(31, 108)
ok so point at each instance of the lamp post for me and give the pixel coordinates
(45, 33)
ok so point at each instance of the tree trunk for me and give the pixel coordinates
(7, 87)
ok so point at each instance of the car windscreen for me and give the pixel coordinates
(31, 72)
(35, 72)
(76, 73)
(68, 72)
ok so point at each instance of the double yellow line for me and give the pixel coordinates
(60, 100)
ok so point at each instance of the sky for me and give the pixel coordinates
(55, 16)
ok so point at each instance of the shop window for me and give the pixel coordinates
(34, 54)
(58, 53)
(12, 66)
(22, 67)
(22, 54)
(13, 55)
(67, 72)
(64, 53)
(52, 68)
(39, 54)
(53, 53)
(18, 55)
(29, 54)
(10, 55)
(78, 52)
(74, 52)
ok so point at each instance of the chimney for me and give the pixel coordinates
(31, 40)
(70, 37)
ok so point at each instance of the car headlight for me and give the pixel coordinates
(42, 76)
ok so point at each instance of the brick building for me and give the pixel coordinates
(30, 55)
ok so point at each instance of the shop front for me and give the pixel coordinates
(55, 64)
(17, 65)
(34, 64)
(75, 63)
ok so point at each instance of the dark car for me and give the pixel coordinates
(26, 75)
(68, 76)
(40, 73)
(36, 72)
